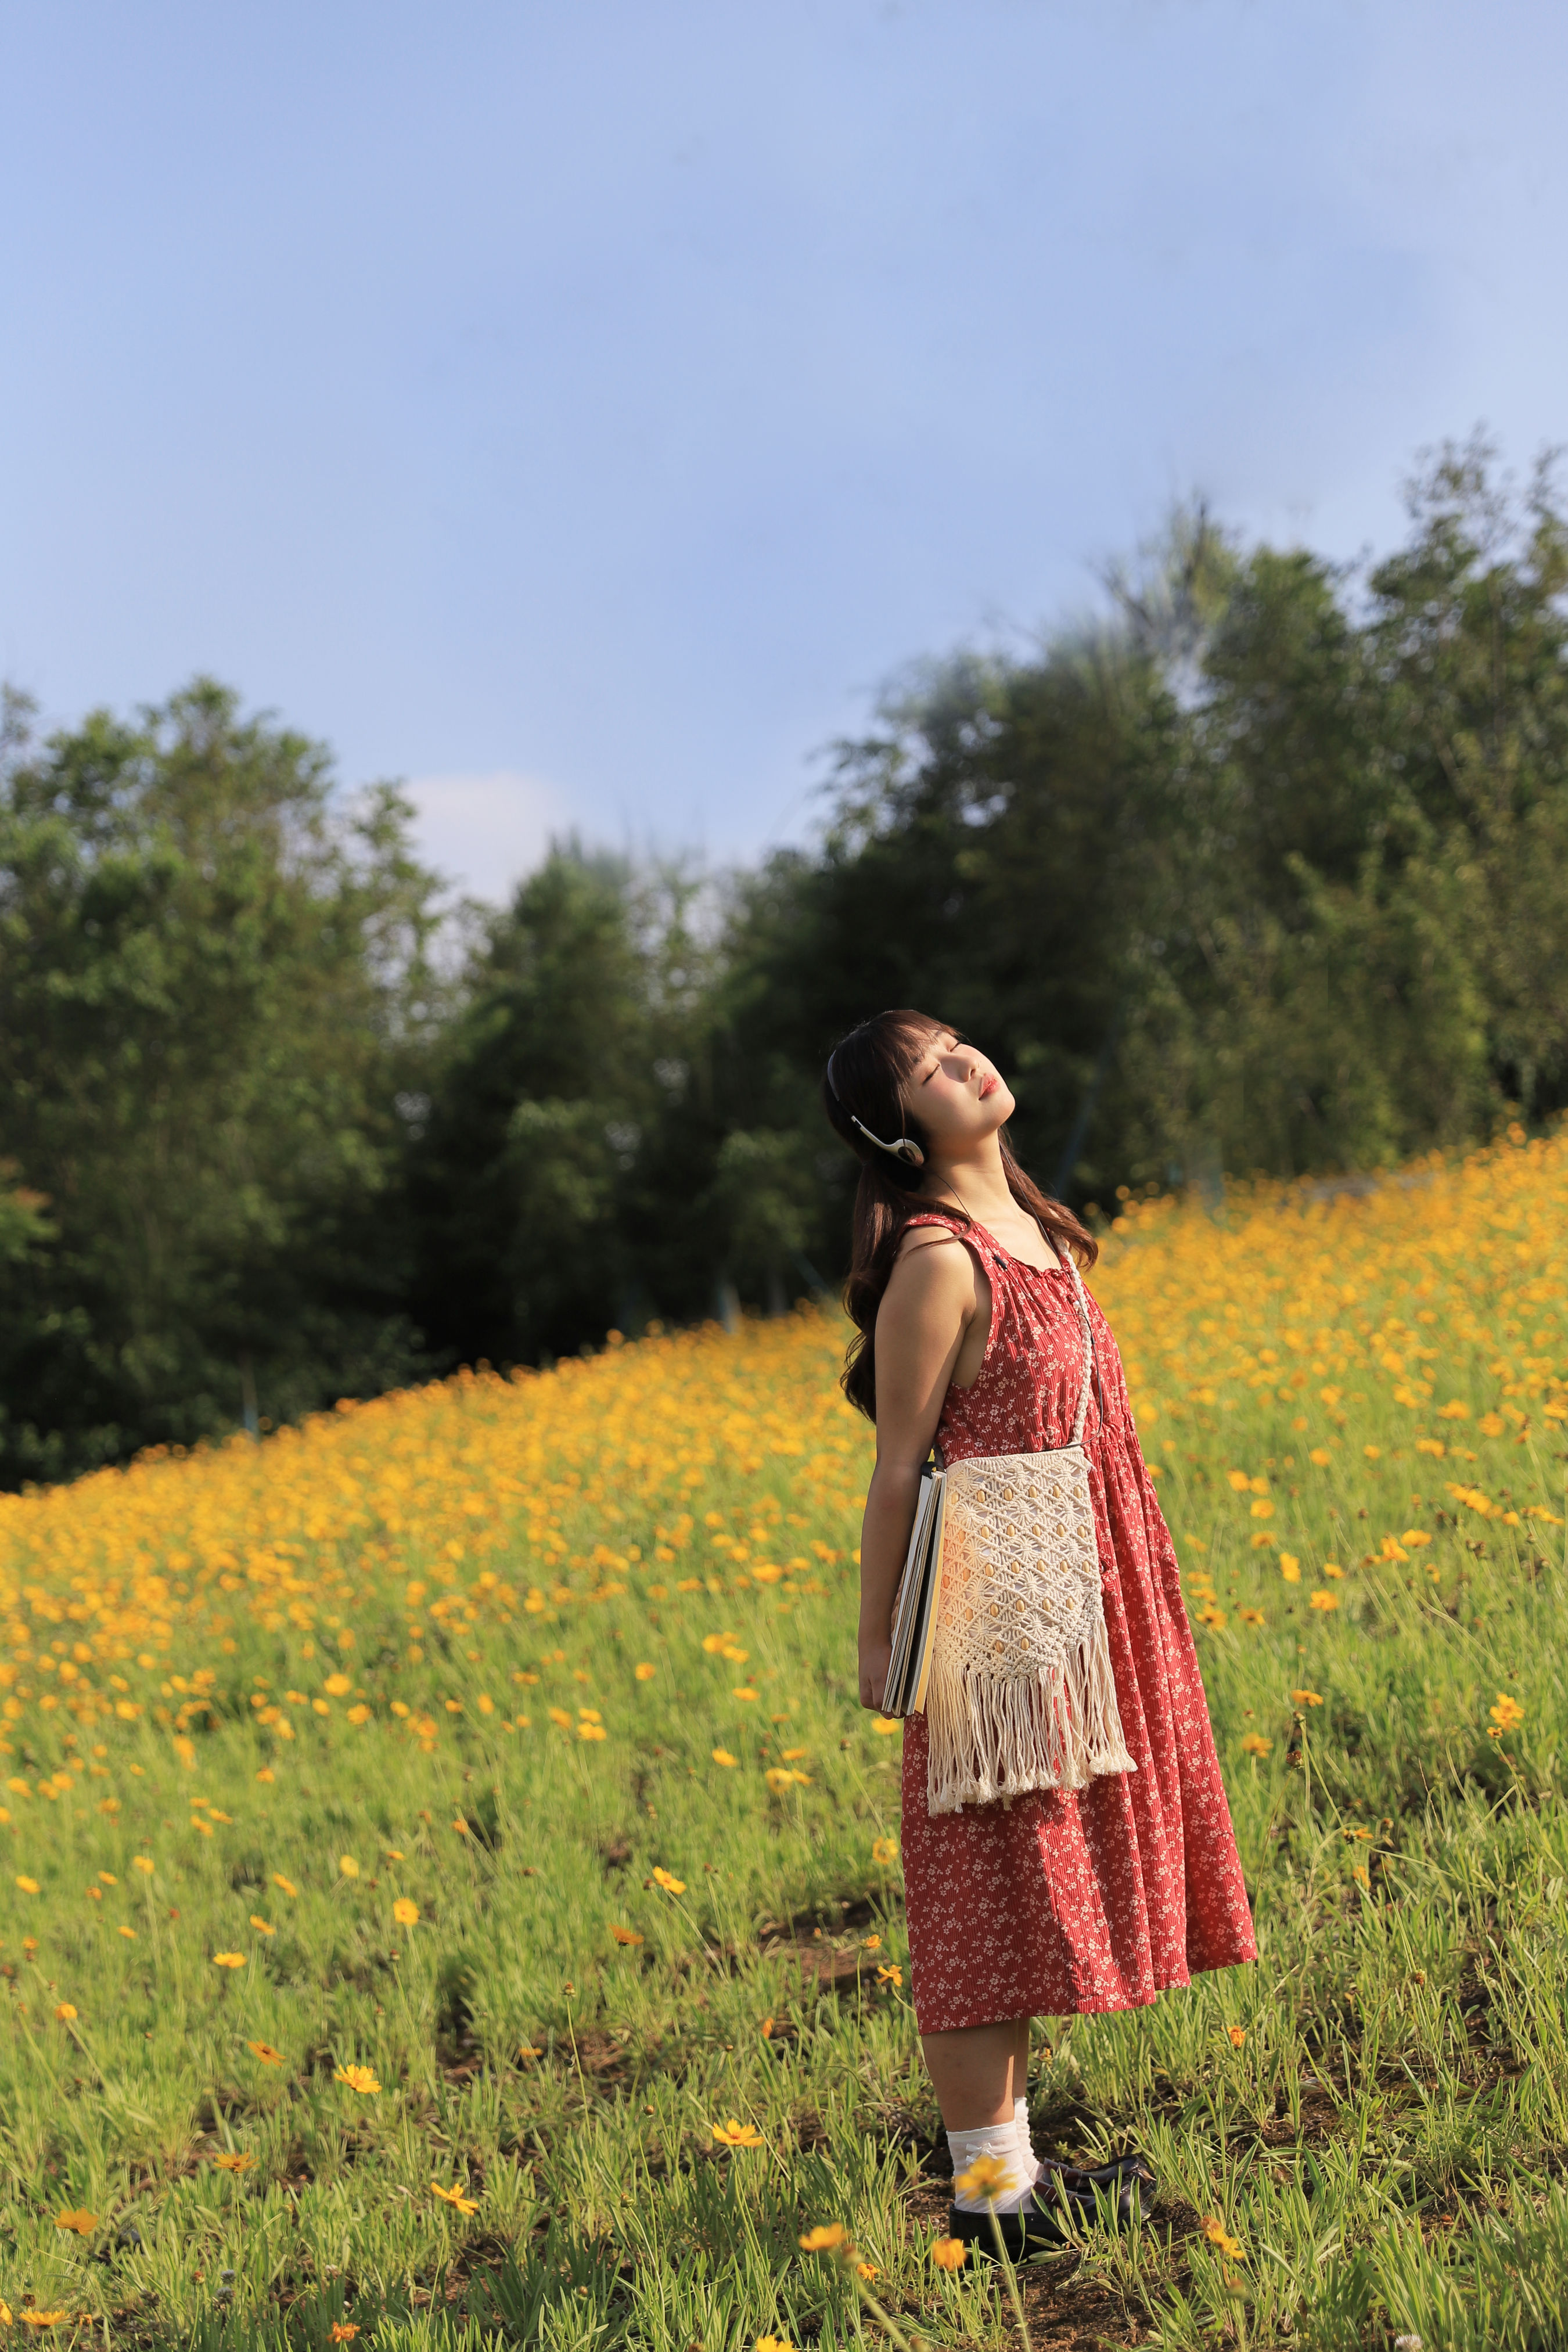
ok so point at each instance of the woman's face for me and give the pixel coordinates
(957, 1093)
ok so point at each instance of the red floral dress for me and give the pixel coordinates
(1097, 1899)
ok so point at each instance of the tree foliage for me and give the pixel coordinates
(209, 985)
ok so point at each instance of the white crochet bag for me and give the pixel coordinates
(1021, 1694)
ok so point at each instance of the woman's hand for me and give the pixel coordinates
(875, 1657)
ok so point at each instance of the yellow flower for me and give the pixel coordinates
(559, 1715)
(867, 2270)
(949, 2253)
(284, 1885)
(42, 2318)
(235, 2161)
(358, 2078)
(64, 2012)
(1321, 1456)
(735, 2134)
(644, 1672)
(987, 2177)
(667, 1880)
(781, 1777)
(893, 1976)
(265, 2052)
(129, 1934)
(1290, 1568)
(884, 1849)
(1215, 2233)
(1324, 1600)
(1263, 1509)
(261, 1926)
(722, 1755)
(792, 1755)
(405, 1913)
(773, 2344)
(77, 2218)
(348, 1866)
(29, 1886)
(592, 1731)
(1361, 1875)
(1212, 1617)
(455, 2198)
(1238, 1481)
(228, 1959)
(1254, 1744)
(338, 1686)
(1306, 1698)
(628, 1936)
(824, 2237)
(1237, 2034)
(748, 1694)
(886, 1725)
(360, 1713)
(1508, 1713)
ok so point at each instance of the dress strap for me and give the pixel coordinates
(975, 1235)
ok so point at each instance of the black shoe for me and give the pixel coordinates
(1035, 2229)
(1109, 2192)
(1102, 2176)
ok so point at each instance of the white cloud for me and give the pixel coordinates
(484, 832)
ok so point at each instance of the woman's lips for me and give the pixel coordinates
(989, 1085)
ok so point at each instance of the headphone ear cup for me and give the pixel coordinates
(909, 1150)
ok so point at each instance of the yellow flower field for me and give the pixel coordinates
(471, 1783)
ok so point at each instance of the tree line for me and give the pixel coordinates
(1267, 870)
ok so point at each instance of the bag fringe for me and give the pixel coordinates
(992, 1736)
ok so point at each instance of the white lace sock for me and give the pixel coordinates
(1001, 2141)
(1032, 2164)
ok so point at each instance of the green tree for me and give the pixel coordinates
(562, 1176)
(212, 989)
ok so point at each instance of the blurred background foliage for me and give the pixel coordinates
(1267, 870)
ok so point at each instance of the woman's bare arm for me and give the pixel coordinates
(926, 1309)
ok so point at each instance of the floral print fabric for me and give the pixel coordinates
(1097, 1899)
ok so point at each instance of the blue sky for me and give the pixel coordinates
(581, 410)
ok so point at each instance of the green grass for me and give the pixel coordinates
(1386, 2142)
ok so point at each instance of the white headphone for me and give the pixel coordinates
(906, 1147)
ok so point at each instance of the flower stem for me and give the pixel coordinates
(1006, 2260)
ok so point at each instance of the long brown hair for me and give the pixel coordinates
(867, 1081)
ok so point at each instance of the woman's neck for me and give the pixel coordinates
(978, 1182)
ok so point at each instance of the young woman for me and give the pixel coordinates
(1061, 1900)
